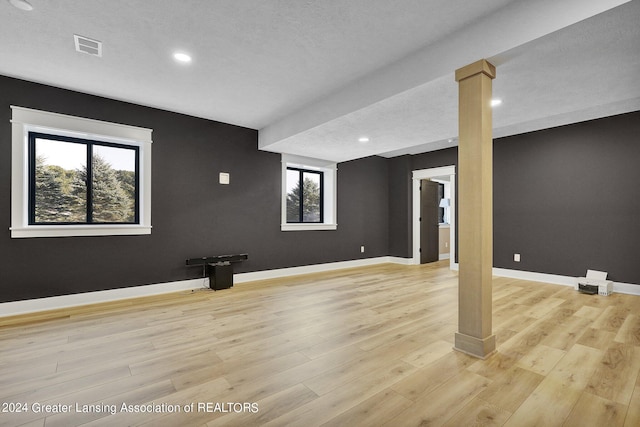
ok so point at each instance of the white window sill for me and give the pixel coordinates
(304, 227)
(78, 230)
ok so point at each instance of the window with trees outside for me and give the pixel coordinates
(79, 181)
(74, 176)
(309, 194)
(304, 196)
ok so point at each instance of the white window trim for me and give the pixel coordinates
(25, 120)
(330, 186)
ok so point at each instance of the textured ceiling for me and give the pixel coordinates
(584, 71)
(313, 76)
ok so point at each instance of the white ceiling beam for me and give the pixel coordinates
(511, 26)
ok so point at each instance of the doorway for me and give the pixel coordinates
(433, 174)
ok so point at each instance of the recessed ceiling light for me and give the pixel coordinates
(182, 57)
(496, 102)
(363, 139)
(21, 4)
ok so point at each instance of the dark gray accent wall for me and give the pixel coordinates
(567, 199)
(400, 211)
(192, 215)
(435, 159)
(363, 207)
(401, 197)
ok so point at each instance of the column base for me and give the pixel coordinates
(476, 347)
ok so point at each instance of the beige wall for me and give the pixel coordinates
(444, 239)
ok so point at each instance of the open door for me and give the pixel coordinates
(429, 228)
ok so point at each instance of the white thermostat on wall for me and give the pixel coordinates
(224, 178)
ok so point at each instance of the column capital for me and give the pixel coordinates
(482, 66)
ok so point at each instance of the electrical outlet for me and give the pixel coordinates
(446, 244)
(516, 257)
(362, 249)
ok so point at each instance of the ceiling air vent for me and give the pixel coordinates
(86, 45)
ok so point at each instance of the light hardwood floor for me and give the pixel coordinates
(360, 347)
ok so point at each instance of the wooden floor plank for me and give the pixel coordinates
(479, 413)
(552, 401)
(433, 375)
(629, 332)
(596, 338)
(541, 359)
(345, 397)
(508, 390)
(592, 410)
(614, 377)
(633, 411)
(376, 410)
(438, 406)
(428, 354)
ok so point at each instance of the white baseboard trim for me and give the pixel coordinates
(554, 279)
(74, 300)
(626, 288)
(316, 268)
(622, 288)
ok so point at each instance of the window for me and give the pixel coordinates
(308, 194)
(79, 181)
(78, 177)
(304, 196)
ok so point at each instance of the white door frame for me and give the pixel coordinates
(417, 176)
